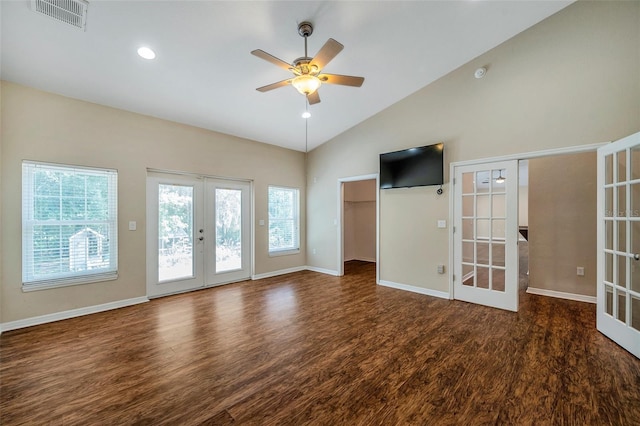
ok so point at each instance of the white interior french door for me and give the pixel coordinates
(618, 293)
(486, 234)
(198, 232)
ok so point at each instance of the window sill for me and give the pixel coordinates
(46, 285)
(283, 252)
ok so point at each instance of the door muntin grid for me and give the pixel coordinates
(484, 199)
(622, 236)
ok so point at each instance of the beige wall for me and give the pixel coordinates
(360, 220)
(46, 127)
(573, 79)
(562, 223)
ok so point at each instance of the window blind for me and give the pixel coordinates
(284, 221)
(69, 225)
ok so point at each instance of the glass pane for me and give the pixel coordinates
(467, 229)
(635, 313)
(622, 235)
(483, 228)
(608, 169)
(499, 180)
(175, 232)
(622, 166)
(483, 208)
(635, 248)
(482, 253)
(608, 202)
(622, 306)
(228, 229)
(497, 279)
(621, 208)
(497, 254)
(482, 278)
(608, 267)
(467, 206)
(467, 275)
(608, 299)
(622, 271)
(634, 210)
(483, 181)
(635, 163)
(467, 252)
(608, 235)
(467, 183)
(498, 228)
(499, 208)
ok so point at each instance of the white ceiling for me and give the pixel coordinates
(205, 76)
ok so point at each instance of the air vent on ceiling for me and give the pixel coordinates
(71, 12)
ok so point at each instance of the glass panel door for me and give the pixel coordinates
(618, 310)
(485, 238)
(229, 242)
(198, 232)
(174, 234)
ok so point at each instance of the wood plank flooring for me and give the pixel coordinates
(308, 348)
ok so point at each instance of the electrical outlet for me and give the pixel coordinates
(580, 271)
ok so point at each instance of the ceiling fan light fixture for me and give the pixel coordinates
(306, 84)
(306, 114)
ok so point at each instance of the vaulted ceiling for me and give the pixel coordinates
(204, 74)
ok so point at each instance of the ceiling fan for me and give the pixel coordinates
(307, 71)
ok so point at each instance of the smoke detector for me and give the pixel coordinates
(480, 72)
(70, 12)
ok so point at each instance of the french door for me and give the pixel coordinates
(618, 295)
(198, 232)
(486, 234)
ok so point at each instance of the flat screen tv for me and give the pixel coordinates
(421, 166)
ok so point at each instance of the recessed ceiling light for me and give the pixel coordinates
(146, 53)
(306, 114)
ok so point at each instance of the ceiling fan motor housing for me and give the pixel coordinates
(305, 29)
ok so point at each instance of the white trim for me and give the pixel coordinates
(561, 295)
(340, 220)
(73, 313)
(533, 154)
(322, 271)
(278, 272)
(362, 259)
(414, 289)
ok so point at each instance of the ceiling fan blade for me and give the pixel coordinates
(270, 58)
(329, 51)
(313, 98)
(344, 80)
(274, 85)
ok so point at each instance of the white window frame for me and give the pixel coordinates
(30, 281)
(295, 217)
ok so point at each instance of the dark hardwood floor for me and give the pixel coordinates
(308, 348)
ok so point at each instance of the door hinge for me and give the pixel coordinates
(454, 229)
(453, 277)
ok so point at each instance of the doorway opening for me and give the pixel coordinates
(358, 224)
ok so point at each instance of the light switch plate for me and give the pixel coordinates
(442, 224)
(133, 225)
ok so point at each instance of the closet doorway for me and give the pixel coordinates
(358, 224)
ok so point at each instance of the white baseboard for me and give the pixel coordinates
(43, 319)
(414, 289)
(279, 272)
(561, 295)
(322, 270)
(365, 259)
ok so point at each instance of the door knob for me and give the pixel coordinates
(201, 239)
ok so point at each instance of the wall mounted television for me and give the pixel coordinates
(422, 166)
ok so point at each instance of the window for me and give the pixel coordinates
(284, 220)
(69, 225)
